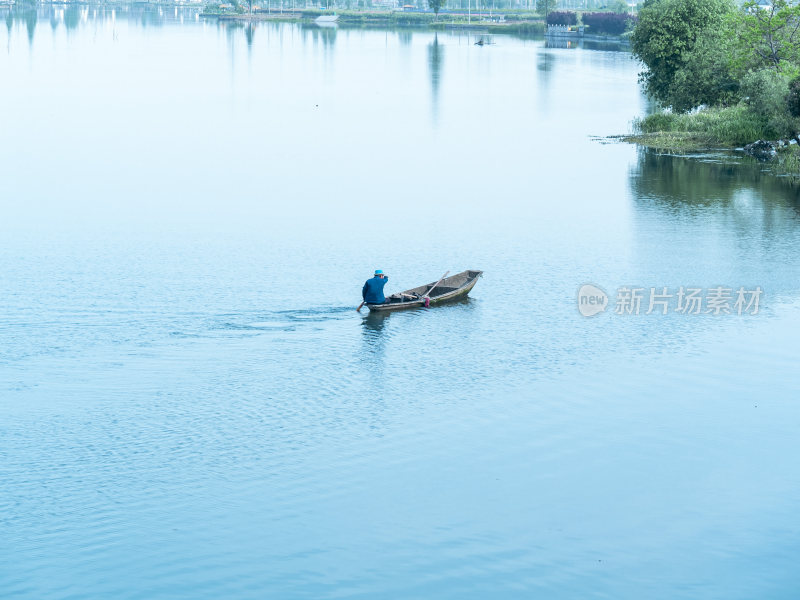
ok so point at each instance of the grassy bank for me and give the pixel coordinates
(722, 127)
(714, 128)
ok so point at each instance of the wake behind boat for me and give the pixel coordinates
(446, 289)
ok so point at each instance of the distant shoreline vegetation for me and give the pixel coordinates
(604, 19)
(511, 23)
(726, 74)
(494, 17)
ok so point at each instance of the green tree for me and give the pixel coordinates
(666, 35)
(436, 6)
(794, 97)
(620, 6)
(707, 76)
(769, 36)
(767, 93)
(545, 7)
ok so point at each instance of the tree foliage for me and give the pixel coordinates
(769, 35)
(436, 6)
(793, 99)
(562, 17)
(606, 22)
(545, 7)
(620, 6)
(710, 52)
(666, 36)
(706, 76)
(767, 93)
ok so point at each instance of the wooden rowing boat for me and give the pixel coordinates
(447, 289)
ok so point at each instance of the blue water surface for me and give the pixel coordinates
(190, 406)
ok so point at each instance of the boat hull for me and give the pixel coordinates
(449, 296)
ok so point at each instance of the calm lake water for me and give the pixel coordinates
(190, 407)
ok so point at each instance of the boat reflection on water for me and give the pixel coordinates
(373, 324)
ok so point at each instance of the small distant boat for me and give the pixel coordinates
(446, 289)
(326, 19)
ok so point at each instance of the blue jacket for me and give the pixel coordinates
(372, 292)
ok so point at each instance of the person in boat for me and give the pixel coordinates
(372, 292)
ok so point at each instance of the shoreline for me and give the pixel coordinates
(731, 128)
(520, 22)
(482, 21)
(779, 158)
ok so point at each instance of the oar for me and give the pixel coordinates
(359, 306)
(428, 293)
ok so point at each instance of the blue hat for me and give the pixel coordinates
(378, 272)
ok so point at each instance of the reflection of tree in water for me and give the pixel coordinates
(545, 65)
(27, 12)
(545, 62)
(231, 29)
(327, 35)
(677, 181)
(31, 18)
(404, 37)
(148, 16)
(693, 188)
(718, 217)
(607, 46)
(317, 34)
(249, 33)
(435, 58)
(72, 17)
